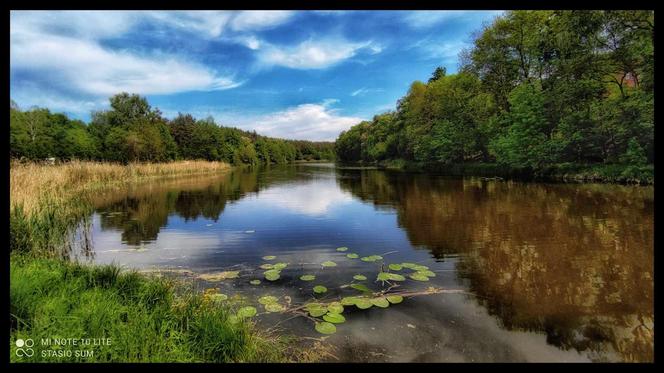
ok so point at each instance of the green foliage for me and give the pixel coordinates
(537, 88)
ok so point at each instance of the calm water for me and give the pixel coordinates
(551, 272)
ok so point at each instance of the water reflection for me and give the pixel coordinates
(573, 263)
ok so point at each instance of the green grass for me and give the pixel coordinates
(143, 318)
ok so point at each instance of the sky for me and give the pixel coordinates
(291, 74)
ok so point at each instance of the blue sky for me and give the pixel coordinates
(292, 74)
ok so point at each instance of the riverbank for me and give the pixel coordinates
(145, 318)
(566, 172)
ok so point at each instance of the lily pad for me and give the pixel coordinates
(395, 267)
(315, 309)
(329, 263)
(267, 266)
(271, 275)
(348, 301)
(380, 302)
(218, 297)
(419, 268)
(269, 257)
(371, 258)
(396, 277)
(267, 299)
(334, 318)
(233, 319)
(352, 256)
(319, 289)
(326, 328)
(280, 266)
(219, 276)
(361, 288)
(394, 299)
(363, 303)
(360, 277)
(342, 248)
(418, 276)
(335, 307)
(307, 277)
(274, 307)
(255, 282)
(247, 311)
(408, 265)
(427, 273)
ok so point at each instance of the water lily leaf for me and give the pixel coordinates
(280, 266)
(335, 307)
(395, 267)
(352, 256)
(380, 302)
(218, 297)
(419, 268)
(383, 276)
(342, 248)
(329, 263)
(274, 307)
(267, 299)
(219, 276)
(319, 289)
(247, 311)
(394, 299)
(427, 273)
(395, 277)
(315, 309)
(361, 287)
(307, 277)
(267, 266)
(408, 265)
(371, 258)
(419, 277)
(360, 277)
(271, 275)
(348, 301)
(255, 282)
(363, 303)
(325, 328)
(334, 318)
(269, 257)
(233, 319)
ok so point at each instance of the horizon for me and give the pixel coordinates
(298, 75)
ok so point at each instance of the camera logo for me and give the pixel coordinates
(24, 347)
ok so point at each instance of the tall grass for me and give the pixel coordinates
(53, 297)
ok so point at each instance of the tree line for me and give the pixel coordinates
(537, 88)
(131, 130)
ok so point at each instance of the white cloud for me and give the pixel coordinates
(362, 91)
(313, 199)
(259, 20)
(311, 54)
(423, 19)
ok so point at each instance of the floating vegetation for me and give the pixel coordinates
(267, 266)
(363, 303)
(280, 266)
(269, 257)
(418, 276)
(395, 267)
(380, 302)
(361, 288)
(307, 277)
(348, 301)
(394, 299)
(247, 311)
(218, 297)
(219, 276)
(360, 277)
(408, 265)
(315, 309)
(267, 299)
(352, 256)
(386, 276)
(371, 258)
(329, 263)
(255, 282)
(334, 318)
(272, 275)
(335, 307)
(344, 248)
(320, 289)
(426, 273)
(326, 328)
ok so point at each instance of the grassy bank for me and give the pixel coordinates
(52, 297)
(566, 172)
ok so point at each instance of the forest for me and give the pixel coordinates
(132, 131)
(536, 89)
